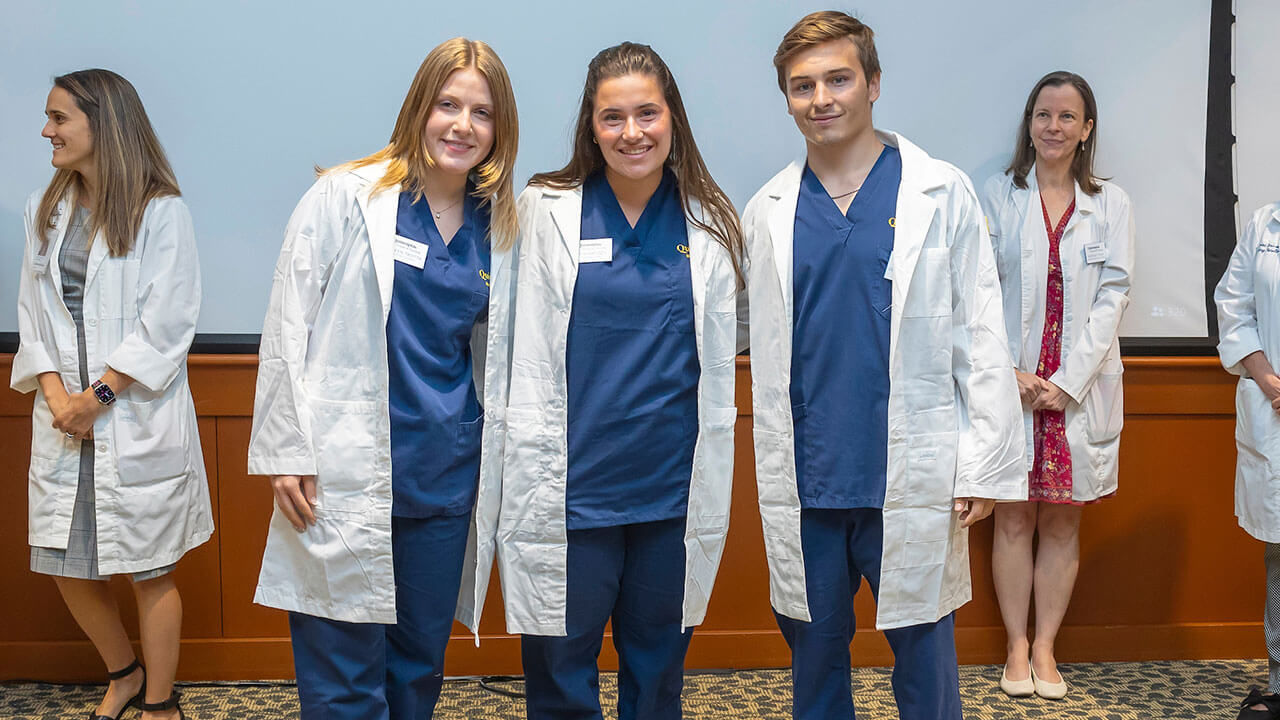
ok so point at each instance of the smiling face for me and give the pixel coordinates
(1058, 124)
(632, 126)
(828, 94)
(67, 128)
(460, 129)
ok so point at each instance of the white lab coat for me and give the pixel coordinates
(1095, 295)
(954, 426)
(322, 407)
(151, 496)
(532, 535)
(1248, 299)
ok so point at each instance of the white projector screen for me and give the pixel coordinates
(248, 97)
(1257, 105)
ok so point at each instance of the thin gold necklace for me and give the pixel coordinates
(438, 213)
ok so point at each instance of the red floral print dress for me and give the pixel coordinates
(1050, 479)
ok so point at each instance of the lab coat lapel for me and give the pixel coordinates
(699, 269)
(566, 211)
(61, 221)
(913, 216)
(1034, 247)
(380, 219)
(782, 226)
(97, 253)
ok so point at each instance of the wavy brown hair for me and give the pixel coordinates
(692, 177)
(823, 26)
(129, 161)
(407, 155)
(1024, 154)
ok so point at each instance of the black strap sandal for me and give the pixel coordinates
(134, 701)
(170, 704)
(1270, 701)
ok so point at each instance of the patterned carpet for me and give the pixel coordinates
(1107, 691)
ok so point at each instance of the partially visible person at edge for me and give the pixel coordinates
(619, 453)
(885, 405)
(107, 306)
(393, 285)
(1063, 240)
(1248, 299)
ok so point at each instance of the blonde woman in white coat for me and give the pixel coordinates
(107, 306)
(1248, 299)
(1064, 251)
(376, 415)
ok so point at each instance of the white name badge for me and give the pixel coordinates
(411, 252)
(593, 250)
(39, 264)
(1095, 252)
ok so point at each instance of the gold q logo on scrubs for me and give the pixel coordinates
(484, 276)
(684, 249)
(891, 222)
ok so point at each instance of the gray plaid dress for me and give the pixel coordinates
(80, 559)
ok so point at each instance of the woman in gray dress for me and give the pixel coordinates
(107, 306)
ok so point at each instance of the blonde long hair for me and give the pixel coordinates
(406, 153)
(130, 163)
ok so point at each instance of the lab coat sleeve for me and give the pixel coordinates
(990, 454)
(280, 440)
(1081, 365)
(1237, 306)
(168, 299)
(33, 357)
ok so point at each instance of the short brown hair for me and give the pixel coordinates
(819, 27)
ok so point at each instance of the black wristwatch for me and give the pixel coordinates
(104, 393)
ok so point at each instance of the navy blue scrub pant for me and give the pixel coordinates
(839, 546)
(370, 671)
(633, 574)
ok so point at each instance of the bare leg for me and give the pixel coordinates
(160, 620)
(1011, 568)
(1057, 561)
(94, 607)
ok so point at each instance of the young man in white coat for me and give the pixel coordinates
(886, 409)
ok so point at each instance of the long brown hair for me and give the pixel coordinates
(1024, 153)
(692, 177)
(130, 163)
(407, 155)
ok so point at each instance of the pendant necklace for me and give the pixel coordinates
(438, 213)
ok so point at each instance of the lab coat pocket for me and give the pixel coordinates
(1104, 407)
(1256, 423)
(150, 440)
(346, 453)
(928, 479)
(118, 291)
(46, 441)
(930, 292)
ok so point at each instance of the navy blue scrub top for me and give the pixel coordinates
(840, 339)
(632, 365)
(435, 415)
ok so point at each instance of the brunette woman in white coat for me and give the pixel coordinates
(619, 453)
(368, 414)
(1063, 239)
(1248, 299)
(107, 306)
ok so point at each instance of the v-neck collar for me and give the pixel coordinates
(652, 207)
(843, 221)
(465, 233)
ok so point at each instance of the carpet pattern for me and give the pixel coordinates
(1102, 691)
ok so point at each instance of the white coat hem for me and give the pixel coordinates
(290, 602)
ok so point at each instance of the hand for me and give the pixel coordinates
(1052, 398)
(296, 496)
(1270, 385)
(75, 416)
(1029, 386)
(973, 509)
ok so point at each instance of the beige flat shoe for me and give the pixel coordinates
(1016, 688)
(1048, 690)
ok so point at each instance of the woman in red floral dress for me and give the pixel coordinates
(1064, 250)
